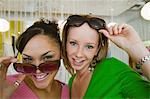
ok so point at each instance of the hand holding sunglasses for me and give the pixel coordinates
(45, 67)
(7, 88)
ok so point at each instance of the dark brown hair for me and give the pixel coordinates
(44, 27)
(103, 43)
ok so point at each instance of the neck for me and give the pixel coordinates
(53, 89)
(82, 74)
(31, 85)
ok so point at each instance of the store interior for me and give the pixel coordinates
(17, 15)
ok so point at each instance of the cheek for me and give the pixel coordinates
(52, 74)
(91, 54)
(69, 49)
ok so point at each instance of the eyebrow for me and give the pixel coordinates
(77, 41)
(26, 55)
(92, 43)
(72, 39)
(46, 53)
(42, 54)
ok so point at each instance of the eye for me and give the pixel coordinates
(72, 43)
(89, 46)
(27, 59)
(47, 58)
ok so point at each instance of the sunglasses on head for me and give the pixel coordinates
(95, 23)
(45, 67)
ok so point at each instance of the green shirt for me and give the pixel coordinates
(114, 79)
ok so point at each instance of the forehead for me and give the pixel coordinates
(41, 43)
(84, 32)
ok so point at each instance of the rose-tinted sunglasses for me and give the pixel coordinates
(45, 67)
(95, 23)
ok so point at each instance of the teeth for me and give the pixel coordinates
(78, 61)
(40, 76)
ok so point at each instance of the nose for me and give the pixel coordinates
(37, 63)
(38, 71)
(79, 52)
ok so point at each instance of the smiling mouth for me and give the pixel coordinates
(40, 77)
(77, 62)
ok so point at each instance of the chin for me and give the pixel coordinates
(41, 85)
(77, 68)
(44, 83)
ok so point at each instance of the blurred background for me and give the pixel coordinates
(17, 15)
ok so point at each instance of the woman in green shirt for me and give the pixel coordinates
(85, 46)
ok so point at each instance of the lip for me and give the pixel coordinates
(40, 77)
(76, 62)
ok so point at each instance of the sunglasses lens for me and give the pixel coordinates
(29, 69)
(44, 67)
(49, 66)
(24, 68)
(97, 23)
(76, 20)
(18, 67)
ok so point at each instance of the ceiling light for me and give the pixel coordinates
(145, 11)
(4, 25)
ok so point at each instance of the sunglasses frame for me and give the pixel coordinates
(31, 68)
(95, 23)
